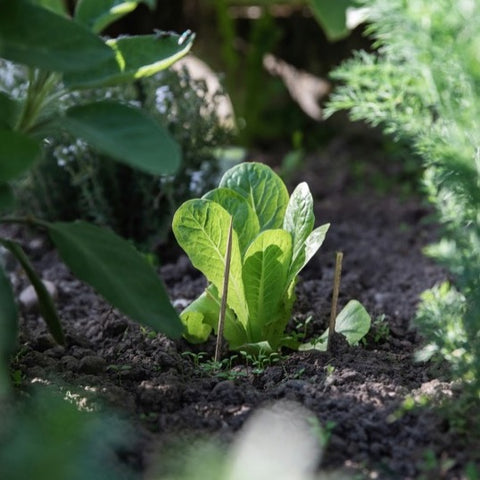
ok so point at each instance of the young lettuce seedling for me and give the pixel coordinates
(272, 240)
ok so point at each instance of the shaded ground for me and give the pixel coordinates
(358, 391)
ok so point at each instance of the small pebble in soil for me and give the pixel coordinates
(115, 327)
(227, 392)
(43, 342)
(55, 352)
(92, 364)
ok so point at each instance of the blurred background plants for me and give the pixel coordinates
(74, 180)
(422, 86)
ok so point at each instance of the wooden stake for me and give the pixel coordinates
(223, 305)
(336, 290)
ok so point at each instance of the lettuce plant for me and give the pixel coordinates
(272, 240)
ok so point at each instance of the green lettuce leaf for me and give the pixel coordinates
(262, 188)
(245, 222)
(265, 270)
(201, 229)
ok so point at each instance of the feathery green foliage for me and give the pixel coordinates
(422, 85)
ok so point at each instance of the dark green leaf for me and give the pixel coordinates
(40, 38)
(61, 439)
(8, 328)
(117, 271)
(18, 152)
(45, 302)
(135, 57)
(8, 111)
(7, 199)
(98, 14)
(126, 134)
(57, 6)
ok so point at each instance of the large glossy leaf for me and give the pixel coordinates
(245, 222)
(201, 229)
(8, 328)
(265, 270)
(126, 134)
(40, 38)
(8, 111)
(45, 303)
(135, 57)
(18, 152)
(98, 14)
(262, 188)
(7, 199)
(118, 272)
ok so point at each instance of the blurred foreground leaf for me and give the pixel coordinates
(8, 329)
(117, 271)
(40, 38)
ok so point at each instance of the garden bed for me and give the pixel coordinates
(357, 393)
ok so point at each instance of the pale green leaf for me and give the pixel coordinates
(8, 328)
(45, 303)
(353, 322)
(18, 152)
(201, 229)
(263, 189)
(299, 220)
(201, 317)
(135, 57)
(197, 328)
(265, 270)
(98, 14)
(113, 267)
(126, 134)
(40, 38)
(310, 247)
(245, 222)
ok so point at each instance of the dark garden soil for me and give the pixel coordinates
(359, 390)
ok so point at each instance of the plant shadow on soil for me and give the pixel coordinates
(116, 363)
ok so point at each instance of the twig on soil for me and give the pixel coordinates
(223, 306)
(336, 289)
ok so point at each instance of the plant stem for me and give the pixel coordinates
(336, 290)
(223, 306)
